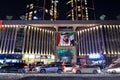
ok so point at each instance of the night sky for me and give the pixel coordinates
(110, 8)
(12, 7)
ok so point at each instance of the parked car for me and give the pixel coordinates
(114, 68)
(32, 66)
(67, 68)
(51, 68)
(15, 67)
(38, 65)
(87, 69)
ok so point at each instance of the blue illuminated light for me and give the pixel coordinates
(94, 56)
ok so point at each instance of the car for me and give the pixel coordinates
(87, 69)
(114, 68)
(51, 68)
(15, 67)
(41, 64)
(67, 68)
(32, 67)
(57, 63)
(37, 66)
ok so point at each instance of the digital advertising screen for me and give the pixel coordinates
(65, 39)
(65, 54)
(97, 59)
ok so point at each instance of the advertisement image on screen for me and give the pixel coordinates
(65, 39)
(96, 59)
(65, 54)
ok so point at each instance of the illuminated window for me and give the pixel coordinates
(85, 2)
(31, 12)
(46, 10)
(87, 18)
(30, 19)
(30, 16)
(79, 15)
(35, 11)
(79, 9)
(27, 6)
(69, 15)
(26, 14)
(78, 6)
(31, 6)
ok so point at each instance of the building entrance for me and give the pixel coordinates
(66, 54)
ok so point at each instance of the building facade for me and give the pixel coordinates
(37, 10)
(41, 10)
(49, 41)
(80, 10)
(54, 9)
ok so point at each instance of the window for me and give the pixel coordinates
(31, 6)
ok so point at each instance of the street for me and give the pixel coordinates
(31, 75)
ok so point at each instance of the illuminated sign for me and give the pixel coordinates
(94, 56)
(65, 54)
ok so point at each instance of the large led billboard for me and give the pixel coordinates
(96, 59)
(65, 39)
(65, 54)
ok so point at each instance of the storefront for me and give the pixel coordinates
(30, 58)
(58, 40)
(10, 58)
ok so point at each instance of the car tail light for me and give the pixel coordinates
(63, 66)
(25, 66)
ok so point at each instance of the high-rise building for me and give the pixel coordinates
(41, 10)
(80, 10)
(54, 10)
(37, 10)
